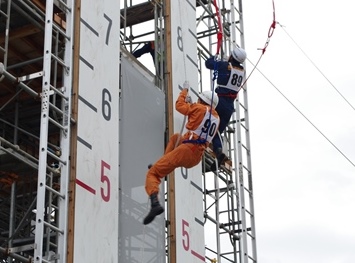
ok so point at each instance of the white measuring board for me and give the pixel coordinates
(96, 193)
(190, 245)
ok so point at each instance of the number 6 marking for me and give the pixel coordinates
(106, 107)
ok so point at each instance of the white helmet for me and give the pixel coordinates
(207, 97)
(239, 54)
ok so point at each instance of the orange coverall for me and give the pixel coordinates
(187, 154)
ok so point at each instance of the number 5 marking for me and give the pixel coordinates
(185, 233)
(105, 179)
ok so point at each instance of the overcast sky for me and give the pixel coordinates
(304, 188)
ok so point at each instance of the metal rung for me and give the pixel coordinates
(246, 168)
(55, 208)
(56, 158)
(3, 14)
(228, 211)
(247, 190)
(60, 61)
(249, 230)
(53, 227)
(250, 213)
(56, 109)
(221, 226)
(232, 223)
(56, 152)
(226, 254)
(46, 261)
(241, 105)
(55, 192)
(54, 171)
(62, 4)
(221, 190)
(245, 128)
(61, 31)
(58, 92)
(57, 124)
(251, 258)
(54, 245)
(245, 147)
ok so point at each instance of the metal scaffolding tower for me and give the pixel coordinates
(229, 203)
(228, 199)
(36, 45)
(36, 73)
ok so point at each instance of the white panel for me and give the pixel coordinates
(96, 195)
(142, 127)
(189, 206)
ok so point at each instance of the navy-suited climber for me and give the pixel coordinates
(148, 47)
(230, 77)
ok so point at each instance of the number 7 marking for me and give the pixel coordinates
(108, 28)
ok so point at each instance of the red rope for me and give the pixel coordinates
(271, 30)
(220, 32)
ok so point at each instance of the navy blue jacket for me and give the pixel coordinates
(223, 73)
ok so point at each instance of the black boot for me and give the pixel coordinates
(212, 168)
(155, 210)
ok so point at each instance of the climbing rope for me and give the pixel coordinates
(220, 31)
(215, 70)
(186, 83)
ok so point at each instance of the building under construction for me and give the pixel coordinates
(81, 118)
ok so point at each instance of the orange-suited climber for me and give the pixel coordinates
(202, 125)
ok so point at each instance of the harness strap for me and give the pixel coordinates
(197, 141)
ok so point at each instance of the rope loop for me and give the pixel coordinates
(271, 30)
(220, 32)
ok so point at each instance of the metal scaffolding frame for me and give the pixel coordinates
(36, 77)
(229, 204)
(132, 17)
(228, 199)
(35, 106)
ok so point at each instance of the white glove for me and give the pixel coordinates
(186, 85)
